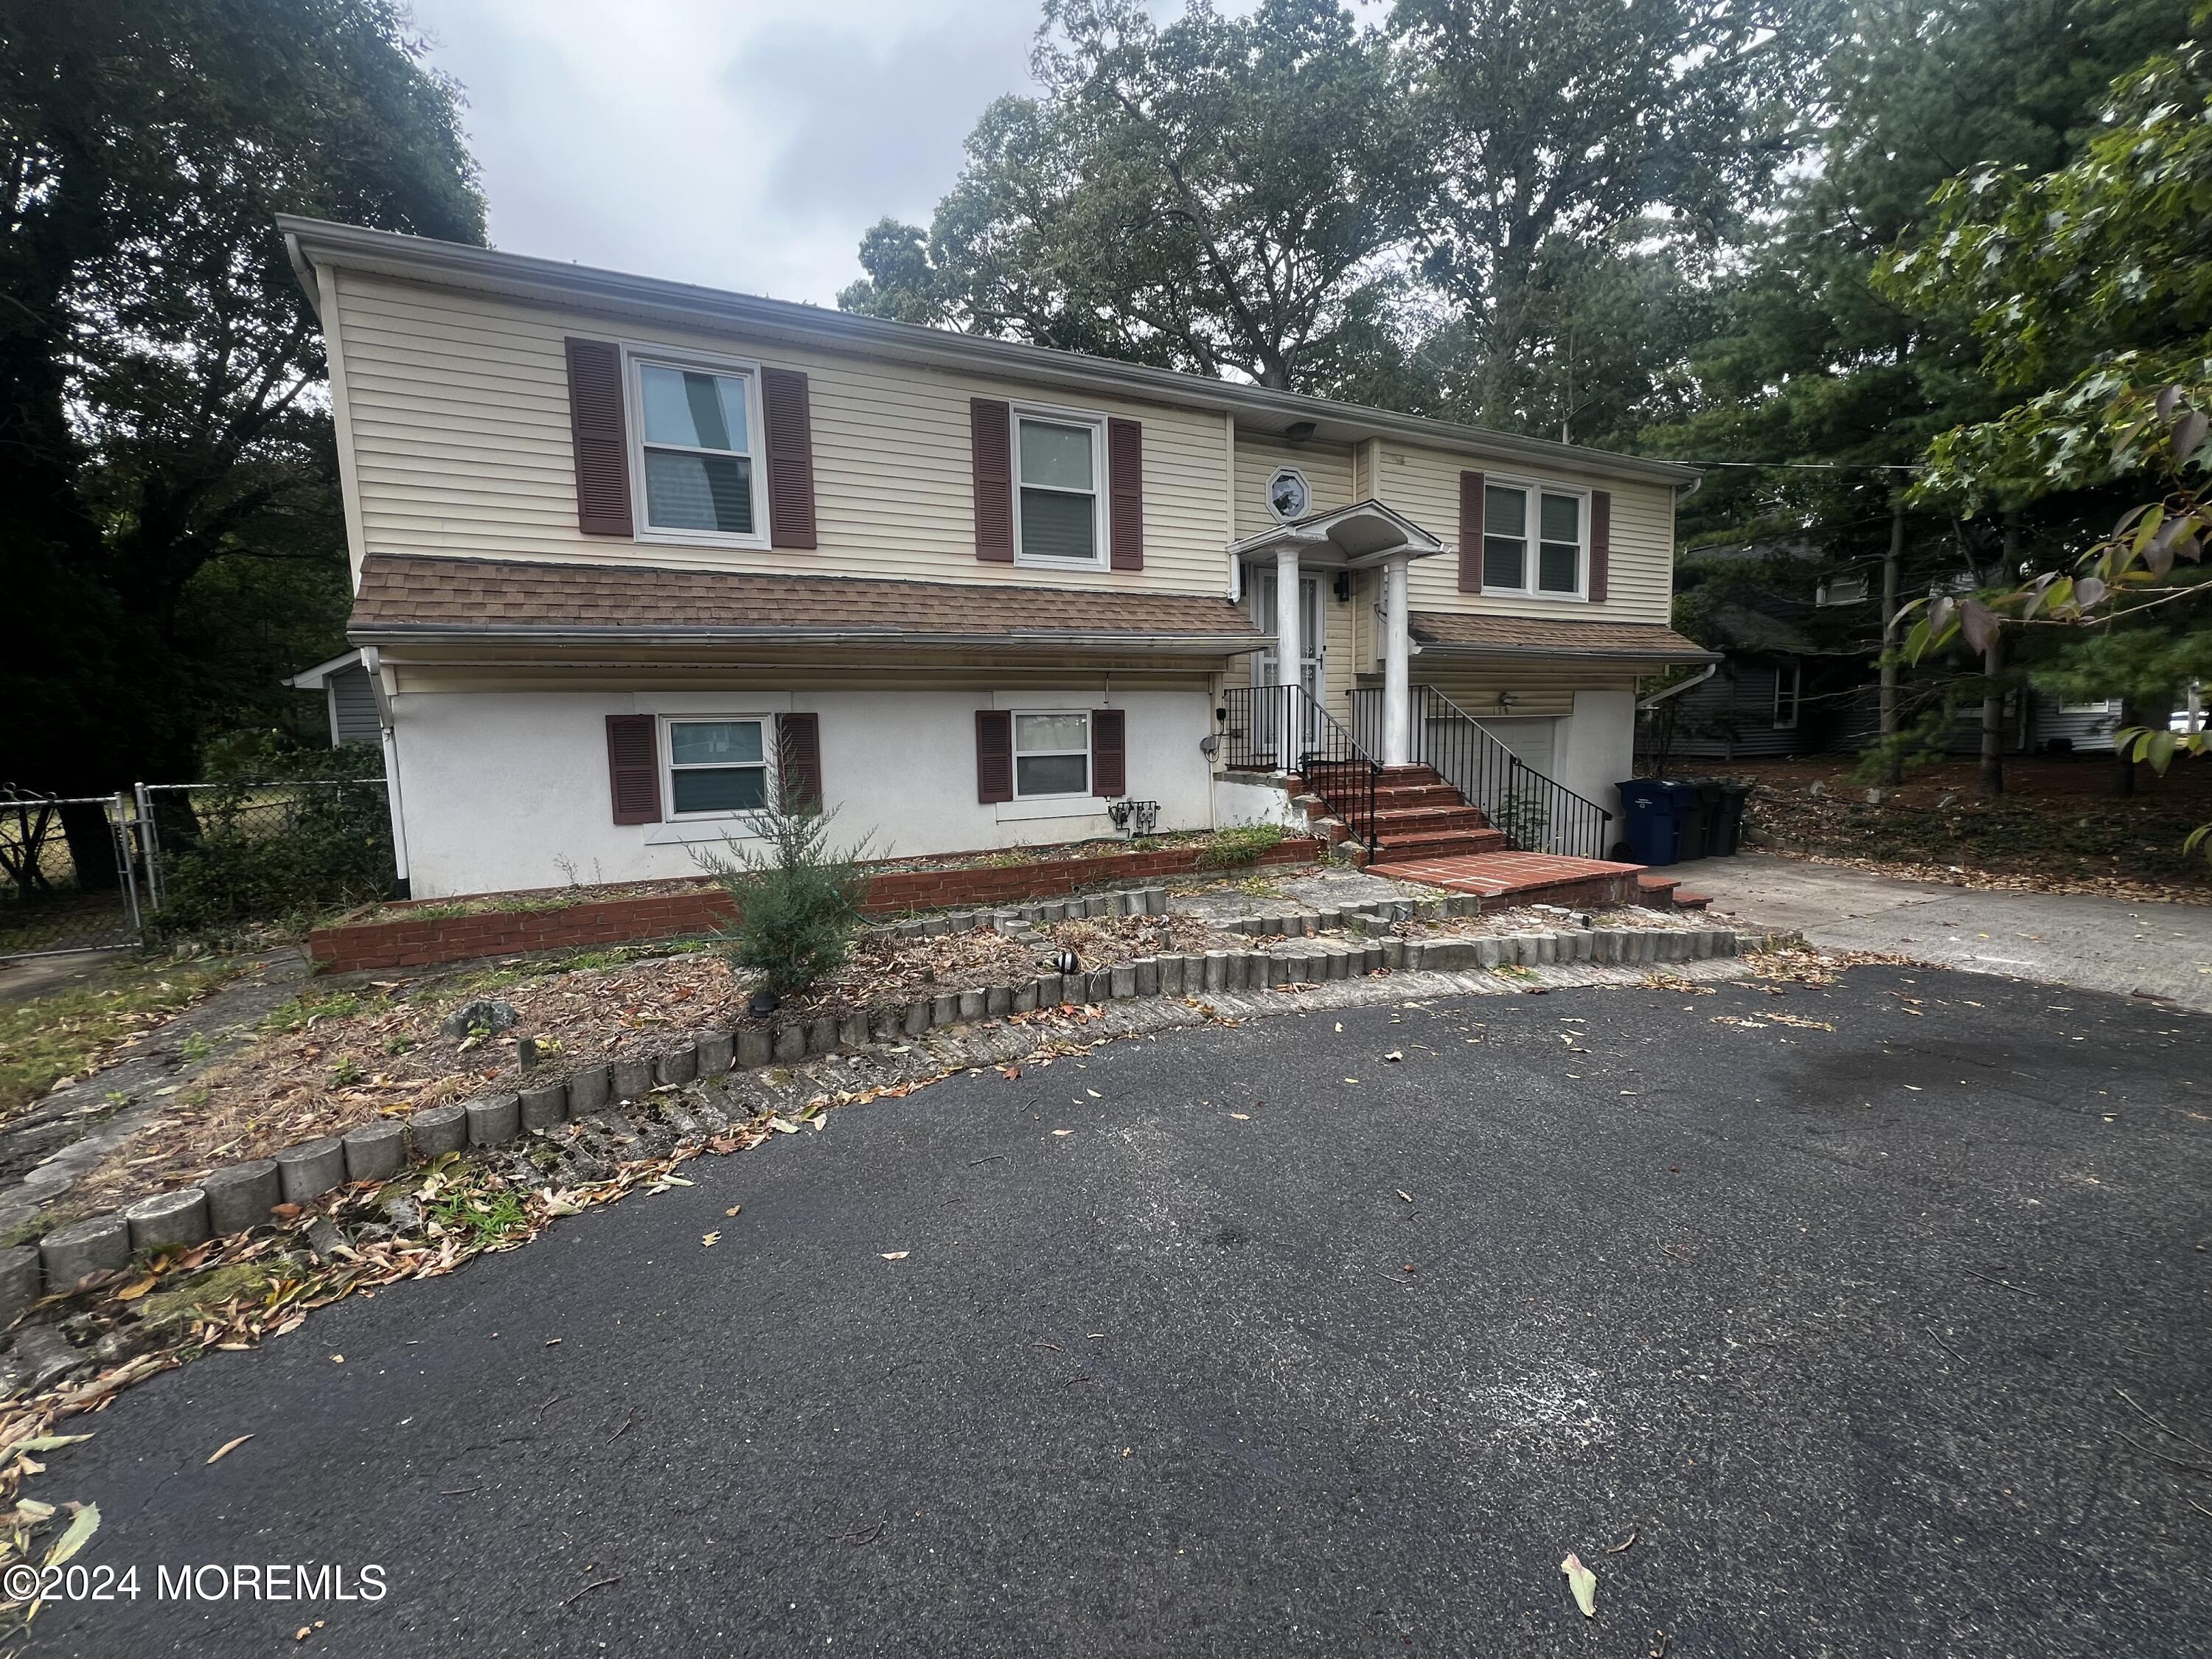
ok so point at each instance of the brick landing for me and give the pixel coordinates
(1524, 877)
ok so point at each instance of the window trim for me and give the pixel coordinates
(666, 736)
(1794, 677)
(1826, 597)
(1014, 752)
(1533, 491)
(2101, 706)
(636, 355)
(1051, 415)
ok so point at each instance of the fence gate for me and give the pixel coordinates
(70, 874)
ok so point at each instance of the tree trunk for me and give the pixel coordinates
(1892, 567)
(92, 846)
(1993, 778)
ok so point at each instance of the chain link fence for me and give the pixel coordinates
(105, 871)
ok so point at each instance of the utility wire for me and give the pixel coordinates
(1811, 466)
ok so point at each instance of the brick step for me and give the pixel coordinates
(1442, 845)
(1323, 774)
(1410, 795)
(1686, 900)
(1657, 892)
(1450, 812)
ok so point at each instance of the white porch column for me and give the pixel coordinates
(1290, 655)
(1397, 691)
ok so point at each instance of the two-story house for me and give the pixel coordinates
(629, 555)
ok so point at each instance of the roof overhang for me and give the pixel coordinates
(1365, 534)
(310, 243)
(1074, 642)
(1593, 654)
(312, 680)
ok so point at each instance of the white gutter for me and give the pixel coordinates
(1678, 687)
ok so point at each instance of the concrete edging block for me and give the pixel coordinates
(494, 1120)
(437, 1130)
(167, 1219)
(375, 1151)
(540, 1108)
(240, 1197)
(790, 1045)
(587, 1091)
(716, 1051)
(756, 1048)
(18, 1281)
(678, 1066)
(97, 1245)
(308, 1170)
(630, 1078)
(822, 1035)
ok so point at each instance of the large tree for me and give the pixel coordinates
(1563, 136)
(165, 456)
(1222, 195)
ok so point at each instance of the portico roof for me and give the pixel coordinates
(1365, 534)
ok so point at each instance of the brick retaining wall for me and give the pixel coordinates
(407, 942)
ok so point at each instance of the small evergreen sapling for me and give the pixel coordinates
(798, 896)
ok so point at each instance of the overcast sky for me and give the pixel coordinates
(740, 144)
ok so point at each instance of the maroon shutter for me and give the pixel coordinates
(634, 768)
(790, 443)
(1601, 545)
(995, 755)
(1470, 532)
(1125, 473)
(601, 438)
(1109, 752)
(991, 424)
(799, 755)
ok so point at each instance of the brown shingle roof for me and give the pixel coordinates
(1520, 636)
(402, 597)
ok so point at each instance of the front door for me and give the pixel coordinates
(1267, 664)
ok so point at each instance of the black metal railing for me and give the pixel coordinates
(1535, 814)
(1281, 728)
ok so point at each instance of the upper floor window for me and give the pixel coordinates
(2087, 706)
(1789, 691)
(1842, 590)
(1535, 540)
(698, 440)
(1057, 501)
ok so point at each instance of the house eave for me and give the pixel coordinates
(553, 282)
(1581, 653)
(648, 639)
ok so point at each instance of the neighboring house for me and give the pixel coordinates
(630, 554)
(349, 698)
(1797, 674)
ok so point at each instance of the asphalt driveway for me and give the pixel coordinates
(2121, 946)
(1285, 1346)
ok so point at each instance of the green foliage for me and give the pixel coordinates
(798, 896)
(252, 854)
(61, 1033)
(1239, 845)
(262, 754)
(347, 1072)
(1524, 820)
(174, 536)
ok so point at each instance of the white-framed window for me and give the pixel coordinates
(2095, 706)
(1060, 463)
(717, 765)
(1052, 754)
(1842, 590)
(1289, 494)
(1788, 687)
(696, 469)
(1535, 540)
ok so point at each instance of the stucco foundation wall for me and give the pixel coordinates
(505, 790)
(1594, 748)
(1236, 803)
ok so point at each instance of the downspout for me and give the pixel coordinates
(373, 660)
(1677, 687)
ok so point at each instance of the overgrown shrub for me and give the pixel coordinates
(245, 854)
(798, 896)
(1244, 844)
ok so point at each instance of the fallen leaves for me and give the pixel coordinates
(228, 1447)
(1583, 1583)
(708, 1240)
(895, 1255)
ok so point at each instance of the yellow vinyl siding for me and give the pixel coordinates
(1540, 686)
(1424, 485)
(1342, 666)
(1328, 468)
(458, 408)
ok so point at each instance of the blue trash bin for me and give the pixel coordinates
(1654, 824)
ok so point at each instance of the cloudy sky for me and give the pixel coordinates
(742, 143)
